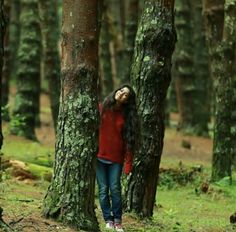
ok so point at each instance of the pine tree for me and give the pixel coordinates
(70, 196)
(151, 75)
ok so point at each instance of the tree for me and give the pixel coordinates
(185, 77)
(104, 52)
(6, 63)
(26, 108)
(14, 35)
(50, 34)
(131, 23)
(221, 42)
(151, 74)
(70, 196)
(2, 25)
(202, 97)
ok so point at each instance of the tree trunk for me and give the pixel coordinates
(104, 53)
(6, 73)
(131, 22)
(26, 109)
(151, 74)
(114, 8)
(202, 98)
(14, 35)
(233, 128)
(50, 34)
(2, 25)
(70, 196)
(185, 77)
(221, 70)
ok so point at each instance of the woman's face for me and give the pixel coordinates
(122, 95)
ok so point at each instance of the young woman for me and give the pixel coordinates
(116, 144)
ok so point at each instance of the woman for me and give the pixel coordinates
(116, 144)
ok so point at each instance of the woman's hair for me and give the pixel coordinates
(130, 115)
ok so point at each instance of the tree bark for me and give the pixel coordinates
(50, 34)
(221, 50)
(70, 197)
(26, 108)
(151, 74)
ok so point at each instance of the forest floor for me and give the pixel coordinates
(186, 199)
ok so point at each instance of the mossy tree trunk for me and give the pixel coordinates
(70, 196)
(14, 35)
(2, 25)
(151, 75)
(131, 23)
(221, 48)
(6, 64)
(107, 84)
(26, 108)
(48, 11)
(202, 97)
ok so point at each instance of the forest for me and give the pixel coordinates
(61, 60)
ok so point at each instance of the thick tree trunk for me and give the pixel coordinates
(26, 108)
(2, 25)
(202, 98)
(104, 53)
(6, 73)
(70, 196)
(50, 34)
(131, 23)
(221, 52)
(151, 74)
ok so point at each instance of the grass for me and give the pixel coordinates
(180, 208)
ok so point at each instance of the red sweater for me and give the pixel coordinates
(111, 144)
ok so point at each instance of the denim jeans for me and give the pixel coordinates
(108, 179)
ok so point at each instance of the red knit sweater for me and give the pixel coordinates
(111, 144)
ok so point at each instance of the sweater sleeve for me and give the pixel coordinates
(128, 162)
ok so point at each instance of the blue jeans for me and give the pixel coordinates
(108, 179)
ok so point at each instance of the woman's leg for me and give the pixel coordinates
(115, 171)
(103, 186)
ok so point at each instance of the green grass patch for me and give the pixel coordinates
(28, 151)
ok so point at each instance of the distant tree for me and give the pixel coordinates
(105, 38)
(185, 77)
(221, 41)
(2, 26)
(151, 75)
(114, 7)
(26, 108)
(6, 73)
(202, 97)
(48, 11)
(131, 23)
(233, 128)
(70, 196)
(14, 36)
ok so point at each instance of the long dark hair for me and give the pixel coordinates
(130, 115)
